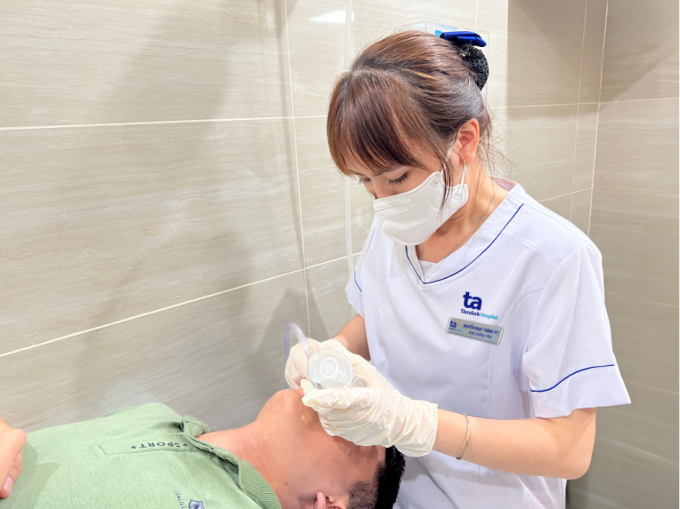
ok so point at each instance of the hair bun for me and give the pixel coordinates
(476, 61)
(465, 42)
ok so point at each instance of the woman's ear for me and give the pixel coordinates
(467, 140)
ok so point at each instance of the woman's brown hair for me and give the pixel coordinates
(408, 87)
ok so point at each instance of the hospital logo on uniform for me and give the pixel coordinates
(472, 302)
(196, 504)
(473, 306)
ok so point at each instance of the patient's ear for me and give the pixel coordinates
(320, 502)
(324, 502)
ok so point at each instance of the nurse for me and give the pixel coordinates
(482, 311)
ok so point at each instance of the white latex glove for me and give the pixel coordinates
(296, 366)
(376, 414)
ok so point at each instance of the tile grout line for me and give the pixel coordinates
(347, 186)
(326, 262)
(246, 119)
(297, 167)
(330, 261)
(537, 106)
(571, 193)
(172, 306)
(149, 313)
(597, 121)
(154, 122)
(592, 181)
(640, 100)
(578, 110)
(583, 45)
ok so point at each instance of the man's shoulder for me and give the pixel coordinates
(153, 411)
(113, 424)
(134, 457)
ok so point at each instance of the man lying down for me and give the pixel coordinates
(150, 457)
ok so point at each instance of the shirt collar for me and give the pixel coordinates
(249, 479)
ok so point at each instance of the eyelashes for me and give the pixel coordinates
(399, 180)
(391, 182)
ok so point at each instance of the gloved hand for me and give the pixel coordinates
(296, 366)
(376, 414)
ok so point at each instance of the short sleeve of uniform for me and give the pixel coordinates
(568, 360)
(354, 286)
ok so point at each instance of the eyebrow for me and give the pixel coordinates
(361, 175)
(398, 168)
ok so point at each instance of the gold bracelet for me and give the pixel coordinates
(467, 438)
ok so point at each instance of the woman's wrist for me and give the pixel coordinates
(451, 434)
(467, 437)
(342, 340)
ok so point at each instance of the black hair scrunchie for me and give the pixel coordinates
(476, 61)
(465, 41)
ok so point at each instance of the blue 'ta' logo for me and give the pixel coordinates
(472, 302)
(196, 504)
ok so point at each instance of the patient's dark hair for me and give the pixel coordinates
(382, 492)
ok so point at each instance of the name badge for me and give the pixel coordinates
(474, 330)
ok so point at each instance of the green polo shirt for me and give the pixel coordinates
(142, 457)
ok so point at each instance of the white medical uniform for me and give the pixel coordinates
(540, 279)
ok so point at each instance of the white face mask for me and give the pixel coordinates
(410, 218)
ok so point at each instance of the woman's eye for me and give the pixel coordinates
(399, 180)
(365, 180)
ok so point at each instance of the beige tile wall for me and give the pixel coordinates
(634, 222)
(546, 102)
(636, 70)
(108, 222)
(154, 202)
(168, 198)
(573, 96)
(138, 61)
(219, 358)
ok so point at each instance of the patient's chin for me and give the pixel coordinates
(286, 396)
(292, 396)
(290, 402)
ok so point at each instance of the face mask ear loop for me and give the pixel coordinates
(445, 166)
(465, 165)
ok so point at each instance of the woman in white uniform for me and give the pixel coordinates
(483, 310)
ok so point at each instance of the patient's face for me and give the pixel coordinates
(318, 461)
